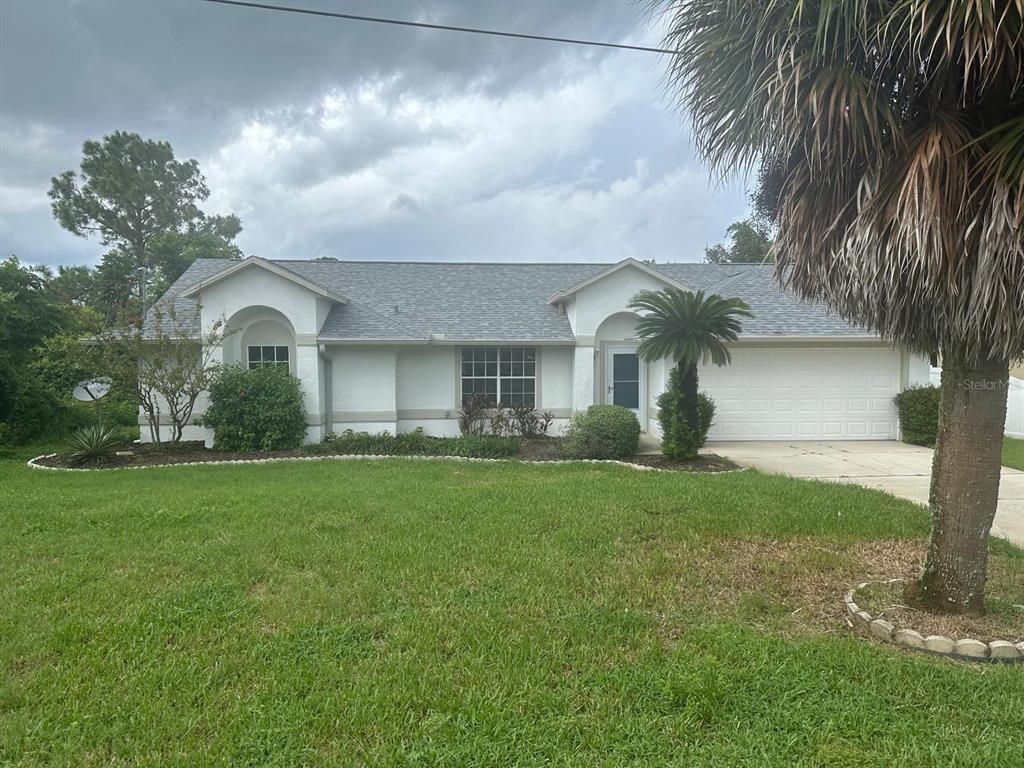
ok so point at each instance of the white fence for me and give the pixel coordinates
(1015, 408)
(1014, 404)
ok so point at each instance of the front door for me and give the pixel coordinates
(624, 384)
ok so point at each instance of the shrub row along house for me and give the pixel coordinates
(392, 346)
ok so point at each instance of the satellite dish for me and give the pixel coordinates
(91, 390)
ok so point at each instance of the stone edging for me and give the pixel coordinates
(966, 649)
(369, 457)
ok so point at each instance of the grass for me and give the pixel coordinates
(1013, 453)
(430, 613)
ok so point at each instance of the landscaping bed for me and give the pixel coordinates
(522, 449)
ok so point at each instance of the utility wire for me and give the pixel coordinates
(444, 27)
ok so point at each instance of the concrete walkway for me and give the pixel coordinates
(901, 469)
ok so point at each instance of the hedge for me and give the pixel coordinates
(603, 432)
(918, 409)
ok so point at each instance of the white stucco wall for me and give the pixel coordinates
(363, 388)
(427, 390)
(555, 379)
(191, 431)
(427, 379)
(606, 297)
(256, 287)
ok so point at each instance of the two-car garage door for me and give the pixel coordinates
(826, 393)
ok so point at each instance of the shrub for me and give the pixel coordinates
(918, 409)
(94, 443)
(37, 412)
(255, 410)
(415, 443)
(479, 416)
(525, 421)
(473, 414)
(603, 432)
(678, 441)
(474, 446)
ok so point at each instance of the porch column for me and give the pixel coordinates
(583, 378)
(307, 369)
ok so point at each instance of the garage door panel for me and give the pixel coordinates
(783, 429)
(808, 394)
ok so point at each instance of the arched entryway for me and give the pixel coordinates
(260, 337)
(620, 375)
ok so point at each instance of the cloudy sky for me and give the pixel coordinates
(366, 141)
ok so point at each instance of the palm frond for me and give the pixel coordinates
(687, 327)
(891, 137)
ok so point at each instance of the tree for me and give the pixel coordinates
(139, 199)
(750, 243)
(73, 286)
(890, 137)
(28, 314)
(209, 237)
(169, 363)
(687, 328)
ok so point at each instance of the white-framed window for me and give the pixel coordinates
(262, 357)
(504, 376)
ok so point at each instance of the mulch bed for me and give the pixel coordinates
(706, 462)
(540, 449)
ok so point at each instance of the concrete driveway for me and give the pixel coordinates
(901, 469)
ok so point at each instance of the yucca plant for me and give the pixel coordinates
(890, 141)
(687, 328)
(93, 443)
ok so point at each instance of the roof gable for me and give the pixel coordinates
(632, 263)
(269, 266)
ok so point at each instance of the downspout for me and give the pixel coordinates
(327, 417)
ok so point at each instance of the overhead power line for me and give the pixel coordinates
(443, 27)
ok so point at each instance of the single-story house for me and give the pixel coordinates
(392, 345)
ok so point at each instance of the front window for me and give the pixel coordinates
(504, 376)
(263, 357)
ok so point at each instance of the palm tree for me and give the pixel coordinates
(890, 141)
(688, 328)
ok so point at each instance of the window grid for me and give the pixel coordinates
(266, 356)
(505, 376)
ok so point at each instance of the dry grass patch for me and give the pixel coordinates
(1004, 608)
(795, 587)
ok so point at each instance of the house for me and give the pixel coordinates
(391, 346)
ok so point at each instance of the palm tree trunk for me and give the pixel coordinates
(688, 386)
(965, 486)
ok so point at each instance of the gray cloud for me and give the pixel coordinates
(329, 137)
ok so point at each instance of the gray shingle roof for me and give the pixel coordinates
(506, 302)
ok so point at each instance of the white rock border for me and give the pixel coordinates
(966, 649)
(33, 462)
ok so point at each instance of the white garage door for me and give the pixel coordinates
(805, 394)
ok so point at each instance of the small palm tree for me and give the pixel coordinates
(890, 138)
(688, 328)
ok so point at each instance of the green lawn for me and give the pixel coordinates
(1013, 453)
(428, 613)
